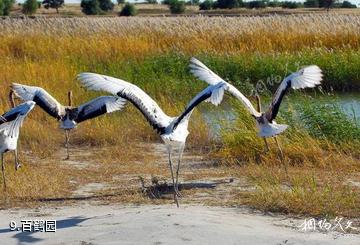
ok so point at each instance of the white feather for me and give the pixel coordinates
(27, 93)
(112, 85)
(308, 77)
(202, 72)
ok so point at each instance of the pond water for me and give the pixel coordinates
(349, 104)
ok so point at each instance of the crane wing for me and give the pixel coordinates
(213, 94)
(142, 101)
(14, 119)
(202, 72)
(41, 98)
(99, 106)
(308, 77)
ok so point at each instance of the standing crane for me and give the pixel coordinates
(10, 123)
(307, 77)
(172, 130)
(68, 116)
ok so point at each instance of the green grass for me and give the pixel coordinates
(246, 71)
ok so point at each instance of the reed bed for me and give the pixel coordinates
(154, 53)
(198, 34)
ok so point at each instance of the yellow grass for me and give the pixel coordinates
(105, 36)
(51, 52)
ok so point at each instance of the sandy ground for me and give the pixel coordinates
(165, 224)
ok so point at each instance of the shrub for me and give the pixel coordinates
(206, 5)
(120, 2)
(90, 7)
(290, 5)
(55, 4)
(228, 4)
(30, 7)
(128, 10)
(151, 1)
(328, 121)
(106, 5)
(2, 5)
(5, 6)
(177, 7)
(311, 4)
(256, 4)
(326, 3)
(347, 4)
(193, 2)
(274, 4)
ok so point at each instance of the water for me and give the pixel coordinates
(350, 105)
(215, 116)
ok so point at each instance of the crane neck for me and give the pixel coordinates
(70, 98)
(258, 101)
(12, 98)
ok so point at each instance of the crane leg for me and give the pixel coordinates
(181, 150)
(3, 170)
(17, 164)
(172, 176)
(266, 145)
(67, 139)
(281, 154)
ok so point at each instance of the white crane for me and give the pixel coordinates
(10, 124)
(307, 77)
(68, 116)
(172, 130)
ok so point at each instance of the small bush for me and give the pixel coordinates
(55, 4)
(330, 122)
(5, 6)
(256, 4)
(206, 5)
(106, 5)
(2, 7)
(30, 7)
(120, 2)
(311, 4)
(347, 4)
(128, 10)
(274, 4)
(193, 2)
(90, 7)
(177, 7)
(290, 5)
(229, 4)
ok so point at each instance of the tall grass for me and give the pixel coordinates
(251, 52)
(194, 34)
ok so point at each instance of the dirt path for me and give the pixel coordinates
(165, 224)
(88, 221)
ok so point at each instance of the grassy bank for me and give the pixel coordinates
(321, 146)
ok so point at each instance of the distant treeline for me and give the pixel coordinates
(229, 4)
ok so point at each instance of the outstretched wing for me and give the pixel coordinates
(202, 72)
(14, 119)
(99, 106)
(213, 94)
(307, 77)
(41, 98)
(143, 102)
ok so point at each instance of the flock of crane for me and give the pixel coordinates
(172, 130)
